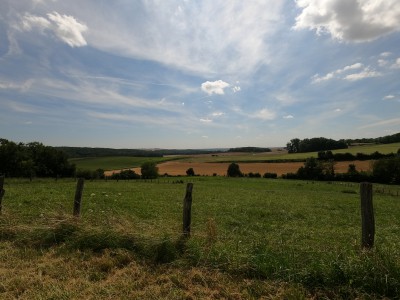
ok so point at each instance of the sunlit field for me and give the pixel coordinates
(250, 238)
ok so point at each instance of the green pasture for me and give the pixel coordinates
(113, 162)
(306, 234)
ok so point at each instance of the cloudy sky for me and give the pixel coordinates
(197, 74)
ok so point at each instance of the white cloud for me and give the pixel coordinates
(66, 28)
(338, 110)
(350, 20)
(288, 117)
(396, 65)
(389, 97)
(385, 54)
(217, 114)
(206, 120)
(214, 87)
(366, 73)
(236, 89)
(265, 114)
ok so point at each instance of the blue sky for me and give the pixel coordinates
(197, 74)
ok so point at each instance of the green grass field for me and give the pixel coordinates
(251, 238)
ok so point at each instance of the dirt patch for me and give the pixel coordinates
(179, 168)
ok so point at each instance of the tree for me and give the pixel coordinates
(190, 172)
(149, 170)
(387, 170)
(234, 170)
(293, 146)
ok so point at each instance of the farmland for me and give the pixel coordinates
(251, 238)
(209, 164)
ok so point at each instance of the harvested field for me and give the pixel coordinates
(200, 168)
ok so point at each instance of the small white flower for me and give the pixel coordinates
(92, 194)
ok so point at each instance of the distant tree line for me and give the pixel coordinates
(249, 149)
(388, 139)
(314, 144)
(297, 145)
(33, 159)
(76, 152)
(328, 155)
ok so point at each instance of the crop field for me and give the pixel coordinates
(177, 165)
(251, 238)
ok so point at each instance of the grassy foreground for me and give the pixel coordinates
(251, 238)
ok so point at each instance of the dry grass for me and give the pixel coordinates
(116, 274)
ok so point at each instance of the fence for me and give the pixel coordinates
(366, 199)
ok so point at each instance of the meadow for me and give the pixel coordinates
(251, 238)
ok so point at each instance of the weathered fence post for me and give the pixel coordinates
(367, 215)
(187, 210)
(78, 197)
(2, 192)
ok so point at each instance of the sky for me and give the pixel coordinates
(183, 74)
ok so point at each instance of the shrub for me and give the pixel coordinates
(149, 170)
(190, 172)
(270, 175)
(234, 170)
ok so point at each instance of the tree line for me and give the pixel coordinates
(249, 149)
(297, 145)
(33, 159)
(76, 152)
(314, 144)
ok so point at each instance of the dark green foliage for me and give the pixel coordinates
(75, 152)
(388, 139)
(234, 170)
(125, 175)
(190, 172)
(387, 170)
(270, 175)
(254, 175)
(249, 149)
(314, 144)
(149, 170)
(33, 159)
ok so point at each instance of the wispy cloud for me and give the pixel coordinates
(390, 122)
(265, 114)
(288, 117)
(66, 28)
(343, 74)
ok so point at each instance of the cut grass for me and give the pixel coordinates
(251, 238)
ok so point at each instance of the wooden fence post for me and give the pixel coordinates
(187, 210)
(78, 197)
(2, 192)
(367, 216)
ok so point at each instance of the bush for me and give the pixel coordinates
(190, 172)
(270, 175)
(234, 170)
(125, 175)
(149, 170)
